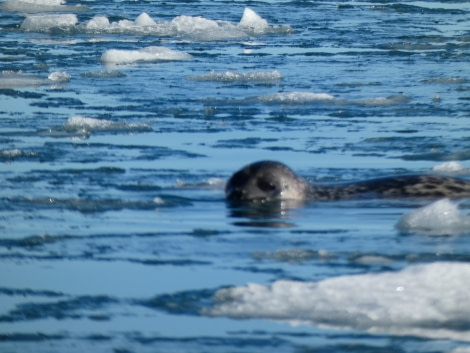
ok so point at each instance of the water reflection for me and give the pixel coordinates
(262, 213)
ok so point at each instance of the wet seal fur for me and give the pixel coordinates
(270, 180)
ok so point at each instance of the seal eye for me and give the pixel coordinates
(266, 186)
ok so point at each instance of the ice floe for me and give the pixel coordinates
(252, 22)
(296, 97)
(236, 76)
(147, 54)
(12, 80)
(34, 6)
(429, 300)
(441, 217)
(87, 124)
(395, 99)
(192, 27)
(450, 167)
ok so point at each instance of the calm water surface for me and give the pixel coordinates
(122, 120)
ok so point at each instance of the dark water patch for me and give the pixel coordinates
(99, 152)
(31, 337)
(59, 102)
(31, 241)
(62, 309)
(264, 224)
(155, 262)
(402, 8)
(207, 233)
(21, 94)
(242, 143)
(184, 303)
(277, 272)
(214, 344)
(30, 292)
(353, 348)
(138, 187)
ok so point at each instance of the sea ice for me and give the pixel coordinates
(35, 6)
(449, 167)
(235, 76)
(296, 97)
(428, 300)
(253, 22)
(441, 217)
(149, 54)
(42, 23)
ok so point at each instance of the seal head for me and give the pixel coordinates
(266, 180)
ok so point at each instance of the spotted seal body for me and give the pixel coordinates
(269, 180)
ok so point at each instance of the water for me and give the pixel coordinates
(121, 121)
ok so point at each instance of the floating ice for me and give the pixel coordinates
(9, 155)
(296, 97)
(59, 77)
(86, 124)
(428, 300)
(80, 122)
(11, 79)
(32, 6)
(144, 20)
(45, 23)
(395, 99)
(97, 22)
(148, 54)
(439, 218)
(196, 27)
(449, 167)
(234, 76)
(143, 24)
(252, 22)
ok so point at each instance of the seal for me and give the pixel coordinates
(270, 180)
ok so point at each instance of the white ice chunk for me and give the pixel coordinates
(46, 22)
(188, 24)
(296, 97)
(205, 29)
(148, 54)
(85, 125)
(430, 300)
(144, 20)
(449, 167)
(34, 6)
(253, 22)
(441, 217)
(58, 76)
(76, 122)
(234, 76)
(97, 23)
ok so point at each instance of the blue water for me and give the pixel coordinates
(115, 233)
